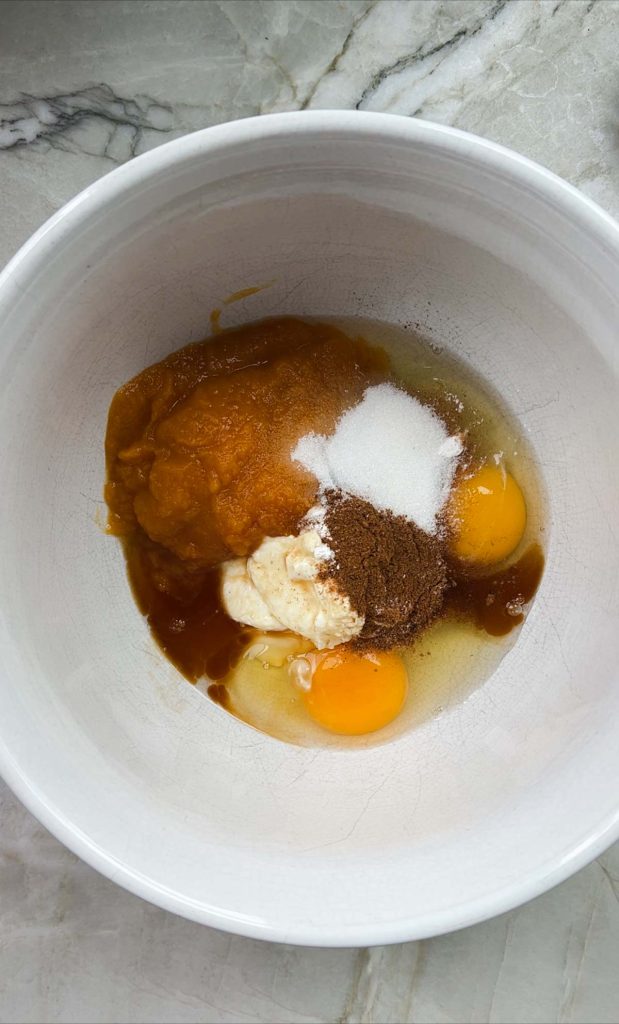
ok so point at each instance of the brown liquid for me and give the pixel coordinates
(218, 693)
(495, 602)
(190, 625)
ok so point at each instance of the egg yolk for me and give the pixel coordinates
(352, 693)
(487, 515)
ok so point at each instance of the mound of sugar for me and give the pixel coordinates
(389, 449)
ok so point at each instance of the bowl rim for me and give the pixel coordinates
(31, 257)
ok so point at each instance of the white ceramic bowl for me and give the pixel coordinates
(484, 806)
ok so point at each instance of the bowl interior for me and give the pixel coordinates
(480, 806)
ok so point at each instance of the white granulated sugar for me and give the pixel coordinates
(310, 452)
(389, 449)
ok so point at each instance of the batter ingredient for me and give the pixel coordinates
(486, 516)
(184, 611)
(284, 579)
(242, 599)
(350, 692)
(393, 572)
(198, 446)
(496, 602)
(391, 450)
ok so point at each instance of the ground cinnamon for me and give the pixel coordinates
(392, 571)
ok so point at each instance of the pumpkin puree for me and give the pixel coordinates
(198, 445)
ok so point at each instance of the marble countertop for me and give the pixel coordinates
(85, 86)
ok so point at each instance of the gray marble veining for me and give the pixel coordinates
(85, 86)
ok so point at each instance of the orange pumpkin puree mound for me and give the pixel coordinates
(198, 445)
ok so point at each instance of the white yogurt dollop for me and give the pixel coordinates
(278, 587)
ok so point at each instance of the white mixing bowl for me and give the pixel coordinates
(498, 797)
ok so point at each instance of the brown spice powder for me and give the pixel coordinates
(392, 571)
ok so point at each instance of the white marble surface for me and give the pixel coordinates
(85, 86)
